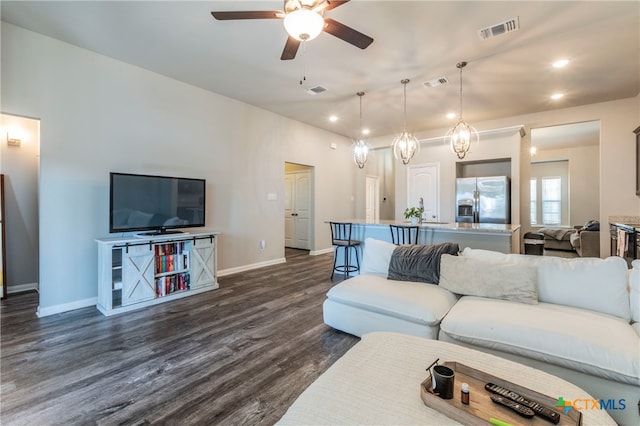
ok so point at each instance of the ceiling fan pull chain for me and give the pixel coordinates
(304, 62)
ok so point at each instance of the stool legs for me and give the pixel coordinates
(346, 268)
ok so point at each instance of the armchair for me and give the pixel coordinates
(586, 243)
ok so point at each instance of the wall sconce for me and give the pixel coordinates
(13, 141)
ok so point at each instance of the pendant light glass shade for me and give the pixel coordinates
(405, 145)
(462, 135)
(361, 148)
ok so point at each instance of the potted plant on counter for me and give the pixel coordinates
(414, 214)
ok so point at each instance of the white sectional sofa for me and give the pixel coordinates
(578, 319)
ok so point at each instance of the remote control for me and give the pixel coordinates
(540, 410)
(518, 408)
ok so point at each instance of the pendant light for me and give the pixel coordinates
(462, 135)
(405, 145)
(361, 148)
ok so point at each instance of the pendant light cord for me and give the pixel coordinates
(404, 83)
(461, 65)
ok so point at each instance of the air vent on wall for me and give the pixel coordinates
(316, 90)
(436, 82)
(512, 24)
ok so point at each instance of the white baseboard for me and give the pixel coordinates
(323, 251)
(20, 288)
(229, 271)
(64, 307)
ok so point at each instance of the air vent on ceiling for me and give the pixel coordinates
(436, 82)
(512, 24)
(316, 90)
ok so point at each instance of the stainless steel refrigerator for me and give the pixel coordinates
(483, 199)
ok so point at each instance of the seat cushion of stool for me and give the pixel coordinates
(346, 243)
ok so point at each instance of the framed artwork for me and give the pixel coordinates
(3, 271)
(637, 132)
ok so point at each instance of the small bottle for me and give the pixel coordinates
(464, 393)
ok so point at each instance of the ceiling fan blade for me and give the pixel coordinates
(254, 14)
(347, 34)
(335, 3)
(290, 49)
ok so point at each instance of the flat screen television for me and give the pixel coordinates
(157, 204)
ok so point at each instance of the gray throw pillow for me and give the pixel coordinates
(485, 278)
(419, 263)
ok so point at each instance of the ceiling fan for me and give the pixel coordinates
(303, 20)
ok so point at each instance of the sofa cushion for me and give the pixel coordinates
(634, 290)
(376, 255)
(589, 283)
(419, 262)
(487, 278)
(412, 301)
(600, 345)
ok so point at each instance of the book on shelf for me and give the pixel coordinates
(172, 283)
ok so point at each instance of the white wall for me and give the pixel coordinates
(100, 115)
(20, 166)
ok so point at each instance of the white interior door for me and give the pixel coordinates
(372, 199)
(424, 182)
(289, 225)
(297, 212)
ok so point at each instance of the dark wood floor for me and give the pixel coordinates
(237, 355)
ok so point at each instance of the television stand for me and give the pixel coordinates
(136, 272)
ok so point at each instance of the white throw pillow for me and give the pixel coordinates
(484, 254)
(634, 290)
(488, 278)
(588, 283)
(376, 257)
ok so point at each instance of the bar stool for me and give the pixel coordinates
(341, 238)
(404, 234)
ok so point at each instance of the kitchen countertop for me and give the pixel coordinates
(492, 228)
(625, 220)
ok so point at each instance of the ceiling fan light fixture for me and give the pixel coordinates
(462, 135)
(303, 24)
(405, 145)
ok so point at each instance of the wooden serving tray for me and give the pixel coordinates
(481, 408)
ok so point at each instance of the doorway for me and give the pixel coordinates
(298, 206)
(20, 165)
(575, 146)
(424, 183)
(372, 199)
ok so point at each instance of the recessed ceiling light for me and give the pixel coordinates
(365, 131)
(557, 96)
(333, 118)
(561, 63)
(451, 115)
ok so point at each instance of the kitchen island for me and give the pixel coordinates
(487, 236)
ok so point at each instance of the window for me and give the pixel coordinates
(533, 209)
(549, 193)
(552, 201)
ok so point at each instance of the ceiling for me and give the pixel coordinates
(507, 75)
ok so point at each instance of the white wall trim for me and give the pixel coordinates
(64, 307)
(486, 133)
(229, 271)
(323, 251)
(22, 288)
